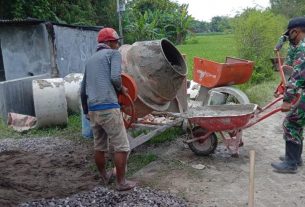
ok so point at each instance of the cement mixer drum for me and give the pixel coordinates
(159, 71)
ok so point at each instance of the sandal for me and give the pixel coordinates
(128, 185)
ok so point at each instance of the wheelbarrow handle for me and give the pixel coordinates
(257, 118)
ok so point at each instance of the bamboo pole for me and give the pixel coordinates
(251, 179)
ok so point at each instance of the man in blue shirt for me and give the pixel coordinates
(99, 89)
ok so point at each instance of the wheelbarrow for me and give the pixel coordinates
(217, 78)
(206, 121)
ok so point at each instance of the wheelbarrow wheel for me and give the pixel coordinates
(203, 147)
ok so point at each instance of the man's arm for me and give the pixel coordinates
(116, 70)
(297, 79)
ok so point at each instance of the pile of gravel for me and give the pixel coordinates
(100, 196)
(40, 145)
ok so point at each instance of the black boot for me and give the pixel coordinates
(300, 163)
(300, 160)
(289, 165)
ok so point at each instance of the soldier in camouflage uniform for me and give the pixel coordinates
(295, 119)
(290, 52)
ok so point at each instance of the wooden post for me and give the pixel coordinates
(251, 179)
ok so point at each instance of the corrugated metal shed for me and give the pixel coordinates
(30, 48)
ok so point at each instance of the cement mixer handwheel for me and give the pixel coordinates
(129, 109)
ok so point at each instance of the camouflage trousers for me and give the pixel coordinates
(294, 122)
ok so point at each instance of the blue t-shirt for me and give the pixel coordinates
(98, 107)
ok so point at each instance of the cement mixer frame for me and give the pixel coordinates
(210, 75)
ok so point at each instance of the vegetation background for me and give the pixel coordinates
(251, 34)
(254, 32)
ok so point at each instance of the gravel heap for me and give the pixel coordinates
(100, 196)
(39, 145)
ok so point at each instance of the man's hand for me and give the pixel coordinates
(280, 43)
(124, 91)
(286, 107)
(287, 67)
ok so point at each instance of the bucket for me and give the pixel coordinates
(158, 69)
(86, 129)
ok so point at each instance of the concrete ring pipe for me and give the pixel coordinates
(72, 90)
(50, 102)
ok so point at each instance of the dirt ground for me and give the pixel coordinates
(48, 169)
(224, 180)
(55, 171)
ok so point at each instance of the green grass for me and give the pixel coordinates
(168, 135)
(138, 161)
(71, 131)
(262, 93)
(212, 47)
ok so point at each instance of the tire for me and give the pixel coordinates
(231, 95)
(200, 147)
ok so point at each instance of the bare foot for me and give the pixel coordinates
(108, 178)
(127, 185)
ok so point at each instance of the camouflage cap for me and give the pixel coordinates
(295, 22)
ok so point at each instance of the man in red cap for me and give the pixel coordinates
(99, 89)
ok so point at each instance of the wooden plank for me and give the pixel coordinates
(134, 142)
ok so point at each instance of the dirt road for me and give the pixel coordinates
(224, 181)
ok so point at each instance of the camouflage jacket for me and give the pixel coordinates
(291, 52)
(297, 79)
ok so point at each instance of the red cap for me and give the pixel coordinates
(107, 34)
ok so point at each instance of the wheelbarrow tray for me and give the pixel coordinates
(213, 74)
(221, 117)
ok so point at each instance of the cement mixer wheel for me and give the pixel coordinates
(203, 147)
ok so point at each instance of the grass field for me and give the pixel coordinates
(217, 48)
(212, 47)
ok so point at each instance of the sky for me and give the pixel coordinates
(205, 10)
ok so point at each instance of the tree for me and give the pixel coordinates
(152, 5)
(256, 32)
(155, 19)
(219, 24)
(81, 12)
(144, 27)
(199, 26)
(288, 8)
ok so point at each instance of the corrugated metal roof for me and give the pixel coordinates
(31, 21)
